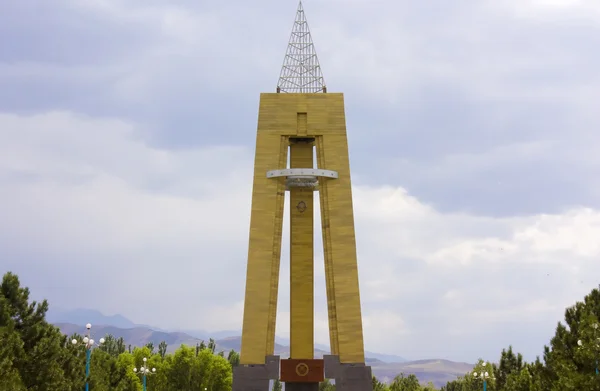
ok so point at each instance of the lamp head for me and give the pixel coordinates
(88, 326)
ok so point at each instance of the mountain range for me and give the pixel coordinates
(385, 366)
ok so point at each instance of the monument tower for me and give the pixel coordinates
(301, 119)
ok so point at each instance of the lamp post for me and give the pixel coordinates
(595, 343)
(144, 371)
(88, 343)
(483, 374)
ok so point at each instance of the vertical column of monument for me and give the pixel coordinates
(276, 252)
(339, 244)
(301, 252)
(327, 255)
(264, 250)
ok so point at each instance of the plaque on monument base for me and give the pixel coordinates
(302, 371)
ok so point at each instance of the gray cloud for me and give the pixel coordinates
(136, 126)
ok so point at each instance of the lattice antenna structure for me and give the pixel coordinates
(301, 72)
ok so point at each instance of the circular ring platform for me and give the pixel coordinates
(302, 177)
(302, 172)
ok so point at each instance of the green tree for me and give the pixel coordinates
(180, 374)
(113, 346)
(202, 373)
(221, 374)
(326, 386)
(162, 349)
(569, 366)
(11, 348)
(101, 368)
(159, 381)
(277, 385)
(123, 376)
(150, 346)
(234, 358)
(454, 385)
(509, 363)
(212, 345)
(378, 386)
(39, 355)
(73, 363)
(541, 376)
(428, 387)
(519, 381)
(405, 383)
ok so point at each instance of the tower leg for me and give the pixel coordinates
(262, 276)
(339, 244)
(347, 363)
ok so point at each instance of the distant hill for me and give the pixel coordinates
(437, 371)
(96, 318)
(135, 336)
(85, 316)
(209, 334)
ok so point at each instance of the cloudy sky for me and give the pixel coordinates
(126, 148)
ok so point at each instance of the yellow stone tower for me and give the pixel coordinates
(304, 121)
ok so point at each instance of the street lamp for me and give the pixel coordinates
(144, 371)
(89, 343)
(483, 375)
(596, 342)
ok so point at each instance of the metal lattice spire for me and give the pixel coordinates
(301, 71)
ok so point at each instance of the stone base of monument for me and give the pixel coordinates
(255, 377)
(348, 377)
(303, 375)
